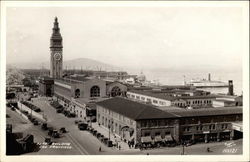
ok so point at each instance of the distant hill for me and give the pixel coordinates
(84, 63)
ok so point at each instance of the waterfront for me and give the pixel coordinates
(176, 77)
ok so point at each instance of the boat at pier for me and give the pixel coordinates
(207, 83)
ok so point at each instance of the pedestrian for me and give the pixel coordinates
(208, 149)
(100, 149)
(119, 147)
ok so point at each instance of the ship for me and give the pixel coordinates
(207, 83)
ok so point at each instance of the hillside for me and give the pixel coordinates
(84, 63)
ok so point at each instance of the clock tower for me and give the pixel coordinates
(56, 58)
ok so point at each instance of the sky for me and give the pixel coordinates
(149, 37)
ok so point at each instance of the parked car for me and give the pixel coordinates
(72, 115)
(82, 126)
(59, 110)
(77, 121)
(63, 130)
(44, 126)
(37, 110)
(66, 113)
(55, 134)
(35, 122)
(48, 140)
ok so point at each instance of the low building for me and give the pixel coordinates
(159, 98)
(223, 103)
(46, 86)
(227, 100)
(146, 123)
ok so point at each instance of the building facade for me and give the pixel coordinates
(147, 124)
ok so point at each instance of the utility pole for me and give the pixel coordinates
(109, 131)
(183, 148)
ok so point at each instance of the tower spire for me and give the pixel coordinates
(56, 67)
(56, 29)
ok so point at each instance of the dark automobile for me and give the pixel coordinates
(32, 120)
(29, 117)
(55, 134)
(37, 110)
(66, 113)
(44, 126)
(77, 121)
(50, 132)
(82, 126)
(48, 140)
(72, 115)
(63, 130)
(59, 110)
(35, 122)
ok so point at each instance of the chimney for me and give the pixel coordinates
(209, 77)
(230, 88)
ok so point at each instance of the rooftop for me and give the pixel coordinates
(139, 111)
(166, 96)
(205, 111)
(134, 110)
(156, 94)
(225, 101)
(89, 102)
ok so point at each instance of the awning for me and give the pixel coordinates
(168, 138)
(146, 139)
(158, 139)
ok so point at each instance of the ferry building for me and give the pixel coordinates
(128, 117)
(74, 91)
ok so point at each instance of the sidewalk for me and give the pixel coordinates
(105, 132)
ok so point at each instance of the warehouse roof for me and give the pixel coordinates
(205, 111)
(166, 96)
(138, 111)
(156, 94)
(134, 110)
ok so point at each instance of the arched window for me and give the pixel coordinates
(77, 93)
(95, 91)
(116, 91)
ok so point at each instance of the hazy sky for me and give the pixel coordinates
(130, 36)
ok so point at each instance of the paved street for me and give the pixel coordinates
(84, 143)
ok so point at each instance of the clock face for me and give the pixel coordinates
(57, 56)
